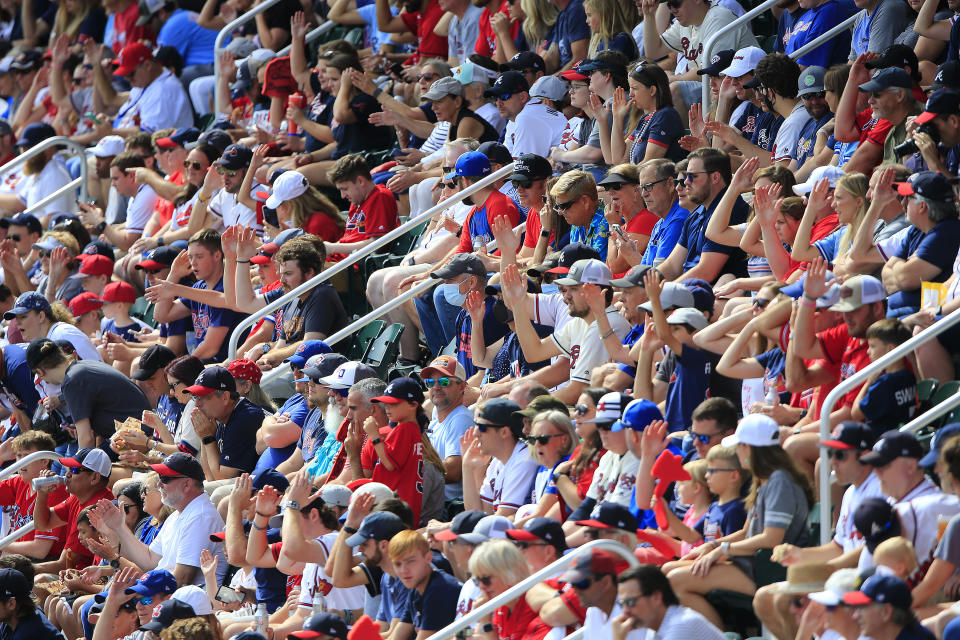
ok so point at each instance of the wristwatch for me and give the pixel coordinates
(487, 627)
(159, 241)
(208, 440)
(376, 441)
(265, 347)
(100, 227)
(292, 504)
(725, 548)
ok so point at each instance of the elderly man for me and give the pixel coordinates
(891, 97)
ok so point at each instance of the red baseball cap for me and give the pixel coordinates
(119, 292)
(95, 265)
(84, 303)
(131, 57)
(244, 369)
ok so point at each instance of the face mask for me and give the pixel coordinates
(549, 288)
(451, 293)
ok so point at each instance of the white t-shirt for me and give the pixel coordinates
(162, 104)
(919, 518)
(581, 343)
(785, 144)
(314, 578)
(73, 335)
(40, 185)
(536, 129)
(462, 33)
(181, 214)
(689, 40)
(489, 112)
(469, 592)
(596, 625)
(140, 209)
(847, 537)
(227, 211)
(186, 533)
(509, 485)
(445, 438)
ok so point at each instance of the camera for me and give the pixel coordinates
(909, 146)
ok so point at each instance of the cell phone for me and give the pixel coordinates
(397, 69)
(617, 229)
(226, 595)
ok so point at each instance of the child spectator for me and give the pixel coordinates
(684, 535)
(897, 556)
(117, 299)
(889, 398)
(725, 479)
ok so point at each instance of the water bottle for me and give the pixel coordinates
(263, 619)
(773, 398)
(319, 602)
(48, 481)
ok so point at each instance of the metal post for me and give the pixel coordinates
(70, 186)
(56, 141)
(310, 37)
(935, 413)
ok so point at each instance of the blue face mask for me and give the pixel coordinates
(451, 293)
(549, 288)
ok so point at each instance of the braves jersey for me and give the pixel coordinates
(17, 498)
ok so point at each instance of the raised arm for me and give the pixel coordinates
(513, 288)
(803, 249)
(718, 228)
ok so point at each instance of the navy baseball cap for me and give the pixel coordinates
(235, 157)
(495, 152)
(159, 258)
(179, 138)
(598, 562)
(876, 520)
(401, 389)
(530, 166)
(213, 379)
(29, 301)
(170, 611)
(932, 185)
(851, 436)
(940, 438)
(323, 365)
(323, 623)
(463, 522)
(571, 253)
(637, 415)
(703, 296)
(154, 582)
(471, 164)
(948, 76)
(270, 478)
(509, 83)
(501, 412)
(381, 525)
(27, 220)
(888, 78)
(718, 63)
(540, 528)
(610, 515)
(943, 102)
(307, 349)
(14, 584)
(180, 465)
(35, 133)
(98, 247)
(881, 589)
(893, 445)
(524, 60)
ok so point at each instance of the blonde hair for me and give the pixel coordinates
(189, 629)
(729, 455)
(312, 202)
(539, 17)
(500, 558)
(856, 184)
(575, 183)
(896, 550)
(65, 238)
(561, 421)
(615, 17)
(69, 24)
(405, 543)
(697, 470)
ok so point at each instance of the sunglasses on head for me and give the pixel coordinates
(541, 440)
(483, 426)
(196, 166)
(440, 382)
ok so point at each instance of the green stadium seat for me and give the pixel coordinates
(362, 339)
(384, 349)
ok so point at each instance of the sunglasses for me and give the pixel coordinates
(483, 426)
(614, 186)
(77, 81)
(678, 182)
(196, 166)
(583, 584)
(126, 509)
(15, 237)
(227, 174)
(503, 97)
(440, 382)
(521, 184)
(541, 440)
(427, 76)
(146, 600)
(712, 470)
(705, 438)
(482, 580)
(581, 409)
(628, 602)
(340, 392)
(837, 454)
(812, 96)
(450, 185)
(75, 470)
(44, 253)
(690, 176)
(563, 206)
(523, 545)
(447, 170)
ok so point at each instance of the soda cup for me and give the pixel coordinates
(295, 100)
(48, 481)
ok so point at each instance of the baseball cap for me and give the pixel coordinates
(235, 157)
(495, 152)
(831, 173)
(179, 138)
(460, 264)
(443, 87)
(108, 146)
(673, 296)
(306, 350)
(883, 590)
(487, 528)
(381, 525)
(94, 265)
(703, 296)
(940, 438)
(177, 465)
(269, 478)
(119, 291)
(591, 271)
(35, 133)
(213, 379)
(444, 366)
(365, 486)
(616, 178)
(719, 62)
(524, 60)
(244, 369)
(216, 138)
(540, 403)
(941, 102)
(471, 164)
(840, 582)
(84, 303)
(99, 247)
(541, 528)
(27, 60)
(290, 185)
(509, 83)
(549, 87)
(401, 389)
(610, 407)
(348, 374)
(858, 291)
(744, 61)
(756, 430)
(89, 458)
(170, 611)
(147, 9)
(323, 364)
(932, 185)
(632, 278)
(888, 78)
(469, 72)
(47, 243)
(570, 254)
(463, 522)
(948, 76)
(14, 584)
(689, 316)
(896, 55)
(322, 623)
(501, 412)
(27, 220)
(337, 495)
(893, 445)
(810, 80)
(153, 359)
(5, 128)
(530, 166)
(610, 515)
(638, 415)
(851, 436)
(598, 562)
(876, 520)
(194, 596)
(153, 582)
(131, 56)
(159, 258)
(270, 248)
(576, 72)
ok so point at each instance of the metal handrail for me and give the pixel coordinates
(712, 40)
(222, 35)
(823, 37)
(73, 184)
(16, 534)
(934, 413)
(56, 141)
(844, 386)
(553, 569)
(576, 635)
(358, 255)
(24, 461)
(310, 37)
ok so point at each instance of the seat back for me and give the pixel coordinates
(362, 339)
(384, 349)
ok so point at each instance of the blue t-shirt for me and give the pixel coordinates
(571, 26)
(688, 388)
(890, 401)
(785, 28)
(169, 412)
(722, 520)
(193, 42)
(939, 247)
(664, 128)
(313, 435)
(492, 331)
(33, 627)
(595, 234)
(271, 583)
(237, 439)
(749, 118)
(635, 333)
(205, 317)
(127, 332)
(18, 381)
(394, 599)
(665, 234)
(296, 408)
(436, 607)
(808, 138)
(767, 126)
(828, 245)
(814, 23)
(693, 237)
(622, 42)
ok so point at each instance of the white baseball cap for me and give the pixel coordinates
(195, 597)
(289, 185)
(347, 375)
(840, 582)
(379, 491)
(487, 528)
(674, 295)
(586, 271)
(108, 146)
(549, 87)
(91, 458)
(744, 61)
(829, 172)
(337, 495)
(858, 291)
(756, 430)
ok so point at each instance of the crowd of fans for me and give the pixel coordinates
(633, 310)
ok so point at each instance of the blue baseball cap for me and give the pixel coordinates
(381, 525)
(29, 301)
(27, 220)
(154, 582)
(471, 164)
(181, 137)
(306, 349)
(35, 133)
(703, 296)
(322, 624)
(270, 478)
(638, 414)
(881, 589)
(213, 379)
(940, 438)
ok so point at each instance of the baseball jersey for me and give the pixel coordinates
(18, 497)
(316, 579)
(404, 449)
(509, 485)
(372, 218)
(847, 537)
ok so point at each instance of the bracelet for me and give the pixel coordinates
(607, 335)
(376, 441)
(806, 303)
(264, 515)
(200, 197)
(209, 440)
(349, 530)
(545, 233)
(159, 241)
(263, 528)
(376, 92)
(811, 299)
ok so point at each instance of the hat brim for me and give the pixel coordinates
(473, 538)
(356, 540)
(567, 282)
(199, 390)
(304, 634)
(150, 265)
(730, 441)
(166, 471)
(573, 75)
(447, 535)
(122, 70)
(856, 598)
(624, 283)
(261, 260)
(73, 463)
(522, 534)
(826, 598)
(593, 523)
(386, 400)
(875, 459)
(843, 305)
(143, 374)
(154, 625)
(166, 143)
(13, 313)
(809, 90)
(219, 536)
(930, 459)
(837, 444)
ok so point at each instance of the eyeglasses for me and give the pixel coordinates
(837, 454)
(446, 170)
(147, 600)
(678, 183)
(77, 81)
(503, 97)
(44, 253)
(650, 185)
(450, 185)
(563, 206)
(428, 76)
(628, 602)
(442, 382)
(227, 174)
(614, 186)
(483, 426)
(541, 440)
(578, 86)
(523, 545)
(705, 438)
(581, 409)
(689, 175)
(126, 509)
(484, 580)
(712, 470)
(196, 166)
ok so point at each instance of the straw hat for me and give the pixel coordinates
(806, 577)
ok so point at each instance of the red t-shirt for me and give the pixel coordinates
(642, 223)
(126, 30)
(320, 224)
(487, 37)
(850, 353)
(340, 458)
(522, 623)
(164, 208)
(873, 129)
(373, 218)
(68, 511)
(818, 231)
(422, 24)
(368, 453)
(532, 231)
(404, 445)
(18, 497)
(496, 205)
(570, 598)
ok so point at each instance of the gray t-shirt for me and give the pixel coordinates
(781, 503)
(98, 392)
(887, 22)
